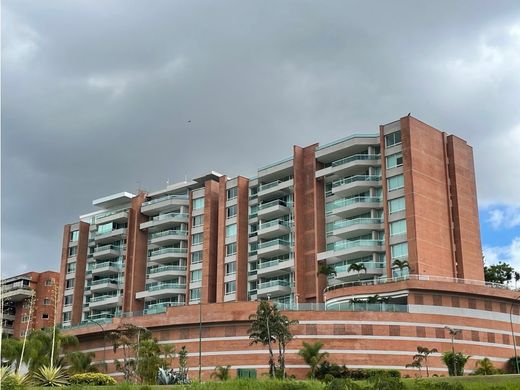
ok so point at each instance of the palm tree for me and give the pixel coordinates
(326, 269)
(80, 362)
(401, 265)
(517, 278)
(416, 363)
(221, 373)
(312, 356)
(261, 330)
(169, 353)
(422, 354)
(357, 267)
(282, 334)
(40, 342)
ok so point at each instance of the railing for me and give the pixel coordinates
(107, 248)
(344, 306)
(163, 251)
(352, 179)
(272, 184)
(274, 283)
(351, 222)
(119, 230)
(103, 265)
(163, 286)
(166, 268)
(272, 263)
(105, 280)
(267, 244)
(356, 157)
(164, 198)
(347, 139)
(350, 201)
(368, 265)
(100, 298)
(421, 278)
(160, 217)
(109, 213)
(346, 244)
(157, 308)
(276, 222)
(172, 232)
(276, 202)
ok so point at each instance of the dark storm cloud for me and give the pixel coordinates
(97, 94)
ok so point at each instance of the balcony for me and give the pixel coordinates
(350, 249)
(373, 270)
(350, 165)
(105, 301)
(118, 216)
(157, 308)
(347, 228)
(167, 255)
(162, 221)
(274, 209)
(168, 237)
(273, 229)
(275, 188)
(155, 206)
(106, 252)
(105, 268)
(16, 292)
(161, 290)
(113, 235)
(275, 267)
(355, 184)
(273, 288)
(348, 207)
(166, 272)
(104, 285)
(274, 248)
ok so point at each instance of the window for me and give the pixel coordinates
(231, 249)
(106, 228)
(231, 230)
(230, 287)
(394, 160)
(253, 210)
(69, 283)
(231, 211)
(49, 282)
(232, 193)
(253, 191)
(399, 251)
(398, 227)
(395, 182)
(71, 267)
(198, 220)
(196, 257)
(198, 203)
(196, 276)
(197, 239)
(74, 235)
(66, 316)
(231, 268)
(73, 251)
(45, 316)
(194, 294)
(393, 139)
(396, 205)
(46, 301)
(67, 300)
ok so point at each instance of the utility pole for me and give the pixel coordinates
(453, 333)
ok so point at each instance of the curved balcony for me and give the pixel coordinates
(373, 270)
(347, 207)
(161, 290)
(166, 272)
(346, 249)
(166, 255)
(350, 165)
(355, 184)
(104, 301)
(273, 248)
(105, 268)
(347, 228)
(118, 216)
(273, 229)
(273, 288)
(161, 307)
(166, 220)
(157, 205)
(168, 237)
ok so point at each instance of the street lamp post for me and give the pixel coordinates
(104, 342)
(453, 333)
(513, 333)
(200, 339)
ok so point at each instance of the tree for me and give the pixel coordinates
(221, 373)
(80, 362)
(326, 269)
(169, 353)
(260, 330)
(12, 352)
(400, 265)
(183, 363)
(422, 354)
(40, 342)
(498, 273)
(312, 355)
(149, 360)
(416, 363)
(357, 267)
(455, 361)
(517, 278)
(485, 367)
(282, 334)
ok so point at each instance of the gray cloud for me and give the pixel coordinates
(96, 95)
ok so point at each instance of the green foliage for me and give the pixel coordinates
(80, 362)
(455, 362)
(422, 356)
(511, 364)
(385, 382)
(92, 379)
(221, 373)
(312, 356)
(39, 344)
(149, 360)
(485, 367)
(326, 269)
(342, 384)
(50, 376)
(12, 351)
(424, 385)
(12, 380)
(249, 384)
(357, 267)
(498, 273)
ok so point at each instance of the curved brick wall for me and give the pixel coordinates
(356, 339)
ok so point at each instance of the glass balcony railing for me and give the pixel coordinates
(164, 286)
(274, 283)
(166, 268)
(329, 207)
(368, 265)
(161, 217)
(276, 222)
(172, 232)
(164, 198)
(272, 184)
(104, 264)
(356, 157)
(347, 244)
(104, 297)
(270, 243)
(107, 248)
(352, 222)
(105, 280)
(161, 307)
(163, 251)
(272, 263)
(109, 213)
(352, 179)
(277, 202)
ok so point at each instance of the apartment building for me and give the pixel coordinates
(28, 302)
(405, 193)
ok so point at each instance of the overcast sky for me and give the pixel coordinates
(97, 95)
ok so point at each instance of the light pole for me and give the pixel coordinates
(104, 342)
(513, 333)
(453, 333)
(200, 339)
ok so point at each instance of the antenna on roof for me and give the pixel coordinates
(185, 178)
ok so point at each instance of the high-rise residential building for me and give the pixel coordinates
(28, 302)
(391, 214)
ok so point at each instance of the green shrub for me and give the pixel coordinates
(92, 379)
(50, 376)
(385, 382)
(455, 362)
(342, 384)
(424, 385)
(373, 372)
